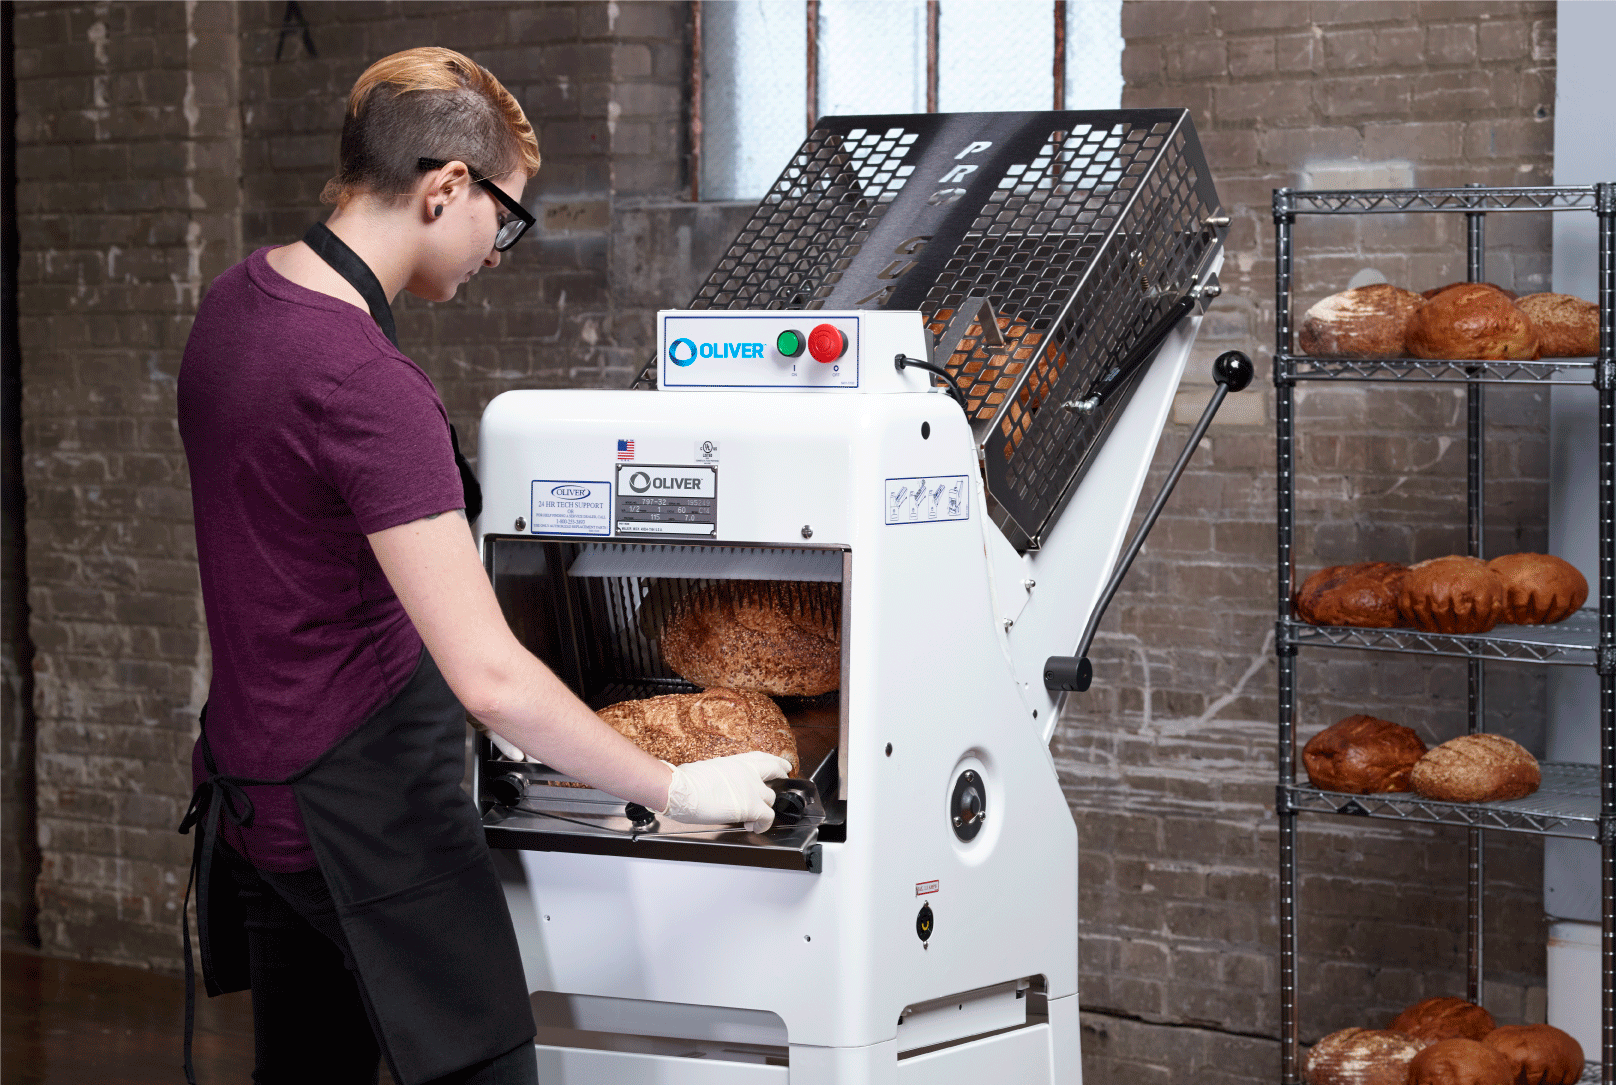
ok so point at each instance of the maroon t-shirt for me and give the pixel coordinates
(305, 430)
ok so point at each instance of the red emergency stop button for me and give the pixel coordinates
(827, 343)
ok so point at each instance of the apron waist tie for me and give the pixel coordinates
(218, 793)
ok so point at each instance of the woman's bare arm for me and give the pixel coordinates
(433, 566)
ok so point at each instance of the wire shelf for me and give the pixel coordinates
(1391, 201)
(1573, 642)
(1436, 370)
(1567, 804)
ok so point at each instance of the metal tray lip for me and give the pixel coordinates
(1575, 646)
(1567, 804)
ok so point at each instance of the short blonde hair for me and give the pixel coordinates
(428, 103)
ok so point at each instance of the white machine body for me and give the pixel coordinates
(655, 971)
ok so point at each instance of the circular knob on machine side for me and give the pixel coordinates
(827, 343)
(968, 807)
(507, 789)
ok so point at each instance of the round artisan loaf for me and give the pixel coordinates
(1444, 1018)
(1567, 326)
(1361, 1056)
(684, 727)
(1476, 768)
(1453, 594)
(777, 638)
(1365, 322)
(1460, 1062)
(1471, 320)
(1539, 588)
(1362, 594)
(1362, 755)
(1541, 1054)
(1435, 290)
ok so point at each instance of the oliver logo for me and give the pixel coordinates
(681, 352)
(639, 481)
(569, 492)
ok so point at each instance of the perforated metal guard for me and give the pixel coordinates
(1080, 228)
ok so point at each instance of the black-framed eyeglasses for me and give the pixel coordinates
(511, 231)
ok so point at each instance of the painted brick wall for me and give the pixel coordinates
(1170, 762)
(159, 143)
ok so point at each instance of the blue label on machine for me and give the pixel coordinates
(564, 507)
(928, 500)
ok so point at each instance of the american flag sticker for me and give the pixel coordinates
(625, 450)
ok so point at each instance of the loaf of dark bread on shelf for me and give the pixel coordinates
(1365, 322)
(1444, 1018)
(1362, 594)
(1453, 594)
(1541, 1054)
(1435, 290)
(1362, 755)
(1471, 320)
(684, 727)
(1539, 588)
(1361, 1056)
(780, 638)
(1567, 326)
(1460, 1062)
(1476, 768)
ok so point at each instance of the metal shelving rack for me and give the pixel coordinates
(1577, 801)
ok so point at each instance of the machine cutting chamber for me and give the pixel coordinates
(594, 613)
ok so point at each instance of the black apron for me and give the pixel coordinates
(401, 847)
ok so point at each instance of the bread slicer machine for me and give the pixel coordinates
(912, 916)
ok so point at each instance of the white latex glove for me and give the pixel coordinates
(726, 789)
(511, 752)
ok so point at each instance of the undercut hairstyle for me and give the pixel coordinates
(427, 103)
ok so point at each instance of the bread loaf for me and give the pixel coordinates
(1567, 326)
(1365, 322)
(777, 638)
(1359, 1056)
(1476, 768)
(684, 727)
(1444, 1018)
(1435, 290)
(1460, 1062)
(1539, 588)
(1471, 320)
(1363, 594)
(1362, 755)
(1541, 1054)
(1453, 594)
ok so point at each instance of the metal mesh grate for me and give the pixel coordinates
(1080, 229)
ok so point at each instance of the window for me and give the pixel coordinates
(768, 68)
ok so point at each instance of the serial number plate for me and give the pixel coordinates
(657, 500)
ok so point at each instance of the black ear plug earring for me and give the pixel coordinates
(437, 212)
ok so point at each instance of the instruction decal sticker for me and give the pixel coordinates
(928, 500)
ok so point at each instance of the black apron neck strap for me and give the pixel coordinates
(347, 263)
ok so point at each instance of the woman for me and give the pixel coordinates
(340, 871)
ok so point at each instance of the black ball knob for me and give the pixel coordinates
(789, 808)
(637, 814)
(1234, 369)
(507, 790)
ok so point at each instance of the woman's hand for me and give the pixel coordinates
(725, 789)
(432, 565)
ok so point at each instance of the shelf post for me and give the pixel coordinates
(1605, 207)
(1284, 647)
(1476, 685)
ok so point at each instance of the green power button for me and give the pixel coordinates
(790, 343)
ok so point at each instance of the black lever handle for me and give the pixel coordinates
(1233, 372)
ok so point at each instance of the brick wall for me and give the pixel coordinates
(158, 143)
(1170, 762)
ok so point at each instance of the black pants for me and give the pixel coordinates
(312, 1024)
